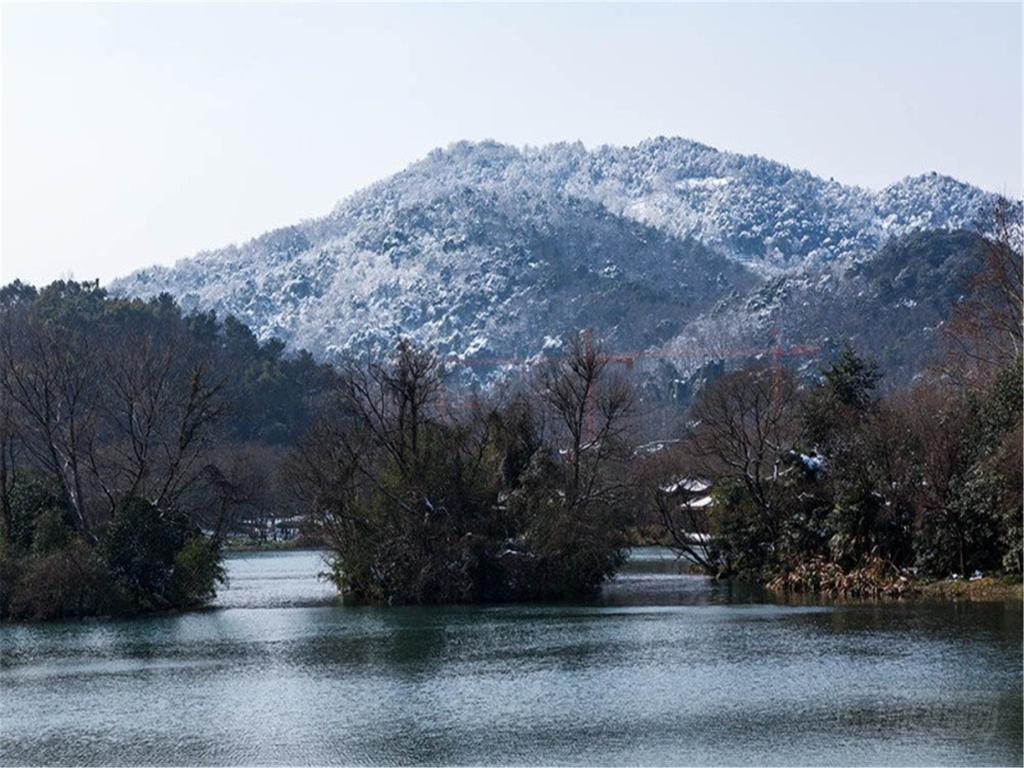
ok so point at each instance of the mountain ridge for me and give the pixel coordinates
(487, 250)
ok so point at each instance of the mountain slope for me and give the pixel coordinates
(891, 306)
(489, 251)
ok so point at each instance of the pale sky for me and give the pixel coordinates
(140, 134)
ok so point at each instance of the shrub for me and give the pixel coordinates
(964, 534)
(68, 582)
(743, 543)
(197, 571)
(31, 498)
(51, 532)
(562, 549)
(140, 546)
(10, 575)
(877, 577)
(158, 558)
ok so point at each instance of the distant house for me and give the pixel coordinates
(691, 492)
(273, 528)
(691, 496)
(288, 528)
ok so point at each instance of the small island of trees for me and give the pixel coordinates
(423, 498)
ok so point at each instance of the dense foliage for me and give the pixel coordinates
(135, 438)
(132, 438)
(836, 486)
(426, 500)
(813, 484)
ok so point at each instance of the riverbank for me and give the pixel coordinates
(292, 545)
(876, 586)
(987, 588)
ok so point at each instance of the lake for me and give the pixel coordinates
(662, 668)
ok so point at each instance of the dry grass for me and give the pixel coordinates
(988, 588)
(877, 578)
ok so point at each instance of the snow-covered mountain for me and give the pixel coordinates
(492, 252)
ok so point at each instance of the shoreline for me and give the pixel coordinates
(988, 588)
(1000, 587)
(294, 545)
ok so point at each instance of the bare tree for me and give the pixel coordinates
(236, 481)
(371, 439)
(591, 410)
(743, 428)
(108, 412)
(419, 504)
(7, 464)
(158, 402)
(667, 485)
(325, 474)
(394, 400)
(47, 374)
(986, 329)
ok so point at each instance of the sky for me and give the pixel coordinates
(136, 134)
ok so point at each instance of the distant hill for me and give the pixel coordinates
(669, 248)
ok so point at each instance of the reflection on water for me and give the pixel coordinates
(661, 668)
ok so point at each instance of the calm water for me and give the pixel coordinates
(661, 669)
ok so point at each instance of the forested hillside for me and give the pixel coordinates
(670, 250)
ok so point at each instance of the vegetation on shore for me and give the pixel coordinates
(132, 438)
(136, 442)
(425, 498)
(249, 544)
(839, 488)
(1006, 587)
(831, 489)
